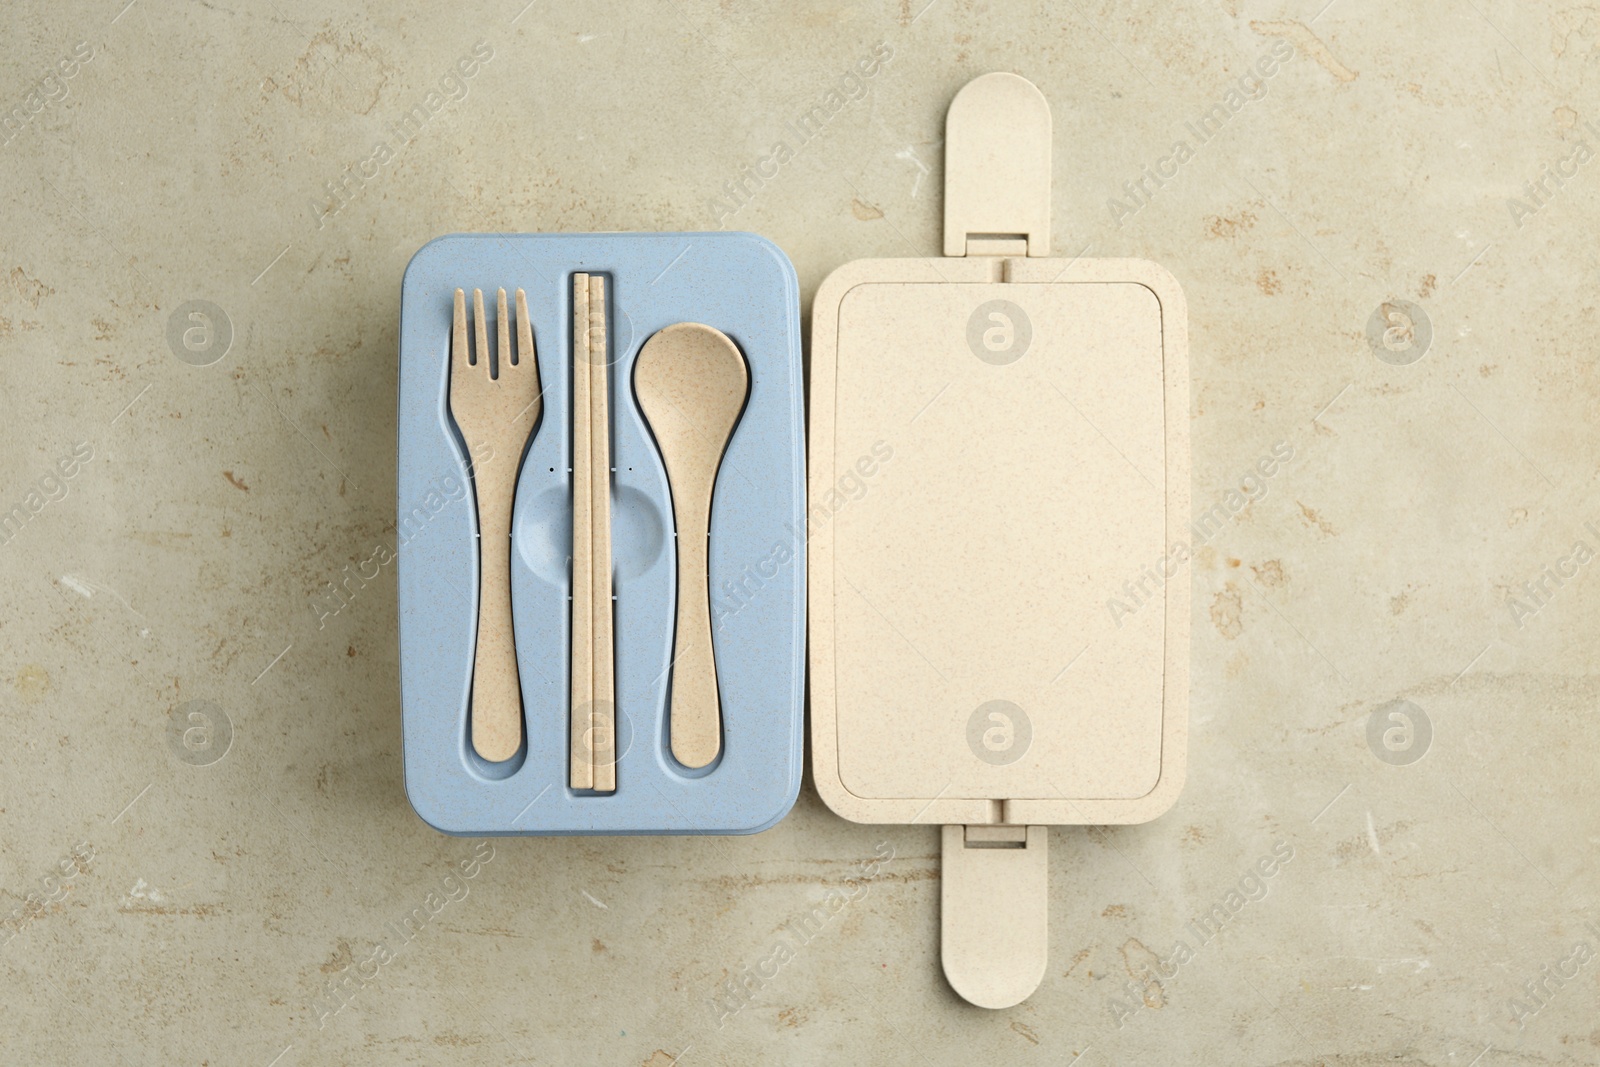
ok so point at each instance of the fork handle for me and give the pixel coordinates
(496, 690)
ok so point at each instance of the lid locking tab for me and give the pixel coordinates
(994, 911)
(997, 169)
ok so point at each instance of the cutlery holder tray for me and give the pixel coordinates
(744, 286)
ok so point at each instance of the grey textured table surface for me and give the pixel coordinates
(226, 891)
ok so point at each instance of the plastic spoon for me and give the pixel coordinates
(691, 382)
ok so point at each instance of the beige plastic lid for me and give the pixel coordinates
(999, 453)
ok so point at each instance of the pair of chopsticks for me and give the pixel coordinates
(593, 668)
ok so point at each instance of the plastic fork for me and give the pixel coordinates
(496, 403)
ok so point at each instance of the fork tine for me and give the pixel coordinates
(480, 333)
(524, 330)
(502, 352)
(460, 356)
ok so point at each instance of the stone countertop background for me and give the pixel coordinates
(1441, 460)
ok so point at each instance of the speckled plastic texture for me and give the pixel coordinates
(744, 286)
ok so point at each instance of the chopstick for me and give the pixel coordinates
(602, 735)
(582, 561)
(593, 689)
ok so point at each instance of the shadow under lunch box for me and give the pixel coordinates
(742, 285)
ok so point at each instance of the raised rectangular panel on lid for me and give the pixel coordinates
(1027, 484)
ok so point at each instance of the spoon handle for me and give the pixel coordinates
(696, 707)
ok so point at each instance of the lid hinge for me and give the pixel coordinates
(1011, 245)
(991, 836)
